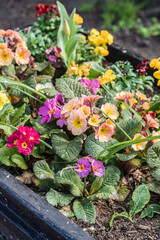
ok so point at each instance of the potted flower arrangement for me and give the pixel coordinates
(78, 123)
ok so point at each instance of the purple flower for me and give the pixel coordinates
(83, 167)
(61, 121)
(58, 99)
(52, 59)
(57, 51)
(92, 85)
(98, 168)
(49, 51)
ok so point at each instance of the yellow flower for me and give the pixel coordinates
(102, 51)
(94, 120)
(158, 83)
(3, 45)
(141, 96)
(83, 36)
(78, 19)
(108, 38)
(157, 74)
(6, 57)
(133, 100)
(82, 71)
(154, 63)
(3, 99)
(94, 32)
(108, 76)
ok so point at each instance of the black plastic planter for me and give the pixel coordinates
(25, 215)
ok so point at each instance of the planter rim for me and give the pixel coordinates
(46, 222)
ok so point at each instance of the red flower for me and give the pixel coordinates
(143, 66)
(24, 145)
(13, 138)
(33, 135)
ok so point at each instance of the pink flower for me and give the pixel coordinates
(151, 122)
(52, 108)
(68, 107)
(33, 136)
(124, 95)
(92, 85)
(12, 139)
(90, 100)
(83, 167)
(139, 146)
(104, 133)
(61, 121)
(77, 122)
(24, 145)
(98, 168)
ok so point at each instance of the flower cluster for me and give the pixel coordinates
(100, 39)
(155, 63)
(51, 109)
(13, 47)
(24, 138)
(78, 19)
(52, 54)
(92, 85)
(107, 77)
(86, 164)
(46, 9)
(138, 104)
(143, 67)
(82, 71)
(3, 99)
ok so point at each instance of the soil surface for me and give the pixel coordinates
(15, 13)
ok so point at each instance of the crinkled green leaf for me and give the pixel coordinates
(97, 183)
(123, 192)
(19, 112)
(71, 178)
(58, 198)
(85, 210)
(42, 170)
(150, 210)
(118, 215)
(111, 176)
(126, 157)
(104, 193)
(19, 161)
(6, 154)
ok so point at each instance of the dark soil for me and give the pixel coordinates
(16, 13)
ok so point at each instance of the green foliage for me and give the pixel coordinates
(104, 193)
(6, 155)
(126, 157)
(97, 183)
(111, 176)
(42, 170)
(118, 215)
(140, 198)
(71, 88)
(19, 161)
(149, 31)
(70, 177)
(66, 149)
(153, 160)
(94, 146)
(58, 199)
(131, 127)
(150, 210)
(84, 210)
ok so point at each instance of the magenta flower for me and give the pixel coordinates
(52, 59)
(24, 145)
(52, 54)
(52, 108)
(61, 121)
(92, 85)
(33, 136)
(98, 168)
(12, 139)
(83, 167)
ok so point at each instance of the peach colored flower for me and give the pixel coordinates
(94, 120)
(155, 134)
(68, 107)
(110, 123)
(22, 55)
(111, 110)
(145, 106)
(141, 96)
(86, 110)
(133, 101)
(2, 33)
(76, 122)
(6, 57)
(3, 45)
(90, 100)
(151, 122)
(139, 146)
(104, 133)
(124, 95)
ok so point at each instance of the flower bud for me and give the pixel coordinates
(66, 28)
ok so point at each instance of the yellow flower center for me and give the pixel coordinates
(21, 55)
(70, 107)
(24, 145)
(81, 167)
(15, 142)
(24, 133)
(51, 111)
(95, 169)
(103, 131)
(4, 56)
(77, 122)
(31, 138)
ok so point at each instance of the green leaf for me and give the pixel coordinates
(7, 130)
(104, 193)
(18, 113)
(66, 149)
(126, 114)
(97, 183)
(19, 161)
(94, 146)
(6, 154)
(84, 210)
(41, 66)
(126, 157)
(45, 128)
(71, 178)
(140, 198)
(70, 88)
(154, 106)
(58, 199)
(8, 70)
(111, 176)
(95, 69)
(118, 215)
(150, 210)
(42, 170)
(49, 70)
(38, 150)
(123, 193)
(156, 173)
(71, 48)
(131, 127)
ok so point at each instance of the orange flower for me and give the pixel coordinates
(124, 95)
(3, 45)
(6, 57)
(145, 106)
(2, 33)
(22, 56)
(141, 96)
(94, 120)
(86, 110)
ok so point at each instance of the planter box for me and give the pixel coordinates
(24, 214)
